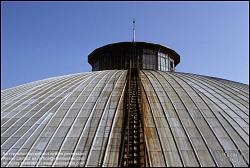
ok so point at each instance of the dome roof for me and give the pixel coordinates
(75, 120)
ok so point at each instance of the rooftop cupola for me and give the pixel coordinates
(142, 55)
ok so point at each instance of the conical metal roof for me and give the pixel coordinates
(76, 120)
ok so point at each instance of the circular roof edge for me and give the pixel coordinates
(176, 56)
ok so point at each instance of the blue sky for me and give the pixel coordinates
(47, 39)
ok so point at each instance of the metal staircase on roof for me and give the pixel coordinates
(133, 147)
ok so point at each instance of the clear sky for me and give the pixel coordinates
(47, 39)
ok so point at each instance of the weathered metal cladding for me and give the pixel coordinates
(76, 120)
(193, 120)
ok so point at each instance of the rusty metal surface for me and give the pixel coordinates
(132, 149)
(193, 120)
(188, 120)
(77, 116)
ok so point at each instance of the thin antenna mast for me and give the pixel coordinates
(133, 30)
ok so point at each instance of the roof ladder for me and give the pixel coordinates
(133, 145)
